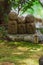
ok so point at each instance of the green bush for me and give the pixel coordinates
(2, 32)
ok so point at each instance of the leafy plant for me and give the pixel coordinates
(3, 33)
(23, 5)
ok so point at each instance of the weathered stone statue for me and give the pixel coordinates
(30, 26)
(21, 25)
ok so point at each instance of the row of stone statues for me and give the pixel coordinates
(21, 25)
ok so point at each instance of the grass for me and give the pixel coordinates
(20, 53)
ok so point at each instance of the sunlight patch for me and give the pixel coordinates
(18, 53)
(38, 49)
(30, 62)
(22, 48)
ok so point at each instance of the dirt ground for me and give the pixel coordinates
(20, 53)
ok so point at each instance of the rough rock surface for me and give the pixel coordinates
(13, 15)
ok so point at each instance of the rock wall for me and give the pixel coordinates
(20, 25)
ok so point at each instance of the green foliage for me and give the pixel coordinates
(25, 6)
(6, 18)
(2, 32)
(29, 5)
(41, 30)
(22, 5)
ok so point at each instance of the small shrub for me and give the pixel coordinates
(2, 32)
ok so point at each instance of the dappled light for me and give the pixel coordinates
(22, 48)
(24, 54)
(30, 62)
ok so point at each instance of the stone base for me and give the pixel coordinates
(21, 37)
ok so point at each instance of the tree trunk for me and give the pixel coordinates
(4, 9)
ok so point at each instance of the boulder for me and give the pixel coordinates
(41, 60)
